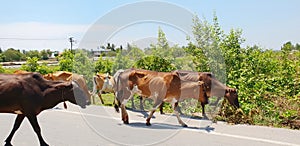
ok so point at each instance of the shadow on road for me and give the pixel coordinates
(168, 126)
(144, 113)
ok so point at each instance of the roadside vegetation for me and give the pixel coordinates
(268, 81)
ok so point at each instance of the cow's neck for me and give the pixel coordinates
(52, 101)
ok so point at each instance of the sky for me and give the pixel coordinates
(45, 24)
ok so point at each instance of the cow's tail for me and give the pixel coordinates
(94, 86)
(117, 102)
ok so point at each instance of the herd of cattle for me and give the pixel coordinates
(27, 94)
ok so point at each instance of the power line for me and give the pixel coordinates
(33, 39)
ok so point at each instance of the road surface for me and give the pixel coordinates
(98, 126)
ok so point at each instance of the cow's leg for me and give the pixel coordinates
(116, 104)
(203, 111)
(124, 113)
(155, 106)
(175, 107)
(17, 124)
(93, 99)
(161, 108)
(132, 102)
(141, 103)
(35, 125)
(100, 97)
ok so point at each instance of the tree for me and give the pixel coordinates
(103, 65)
(121, 62)
(33, 53)
(13, 55)
(162, 42)
(135, 53)
(155, 63)
(287, 47)
(44, 55)
(66, 61)
(32, 65)
(2, 70)
(2, 57)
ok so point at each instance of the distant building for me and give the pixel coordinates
(100, 51)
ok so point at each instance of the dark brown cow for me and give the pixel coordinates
(159, 86)
(213, 85)
(29, 94)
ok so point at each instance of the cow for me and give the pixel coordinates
(160, 86)
(21, 72)
(132, 99)
(29, 94)
(59, 76)
(214, 87)
(102, 83)
(68, 76)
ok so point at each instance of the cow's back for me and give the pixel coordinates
(17, 89)
(187, 75)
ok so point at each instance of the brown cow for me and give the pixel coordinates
(214, 86)
(68, 76)
(102, 83)
(29, 94)
(159, 86)
(21, 72)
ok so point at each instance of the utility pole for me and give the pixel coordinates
(71, 41)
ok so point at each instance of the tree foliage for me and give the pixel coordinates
(155, 63)
(103, 65)
(267, 80)
(13, 55)
(66, 60)
(32, 65)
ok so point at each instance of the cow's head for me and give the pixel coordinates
(48, 76)
(100, 79)
(206, 78)
(232, 96)
(203, 98)
(215, 88)
(107, 79)
(71, 91)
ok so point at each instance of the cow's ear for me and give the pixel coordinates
(140, 73)
(210, 74)
(69, 78)
(175, 73)
(200, 76)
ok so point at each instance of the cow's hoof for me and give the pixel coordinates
(126, 122)
(8, 144)
(184, 125)
(205, 117)
(44, 144)
(148, 124)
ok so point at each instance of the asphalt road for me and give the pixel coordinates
(99, 126)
